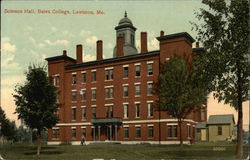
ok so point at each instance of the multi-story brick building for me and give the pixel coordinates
(111, 99)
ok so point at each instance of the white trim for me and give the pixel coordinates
(125, 103)
(93, 88)
(122, 142)
(167, 59)
(125, 126)
(83, 89)
(126, 65)
(156, 120)
(137, 64)
(55, 128)
(108, 68)
(93, 70)
(73, 127)
(73, 107)
(150, 62)
(137, 102)
(83, 127)
(92, 126)
(73, 90)
(137, 83)
(171, 124)
(124, 84)
(83, 106)
(150, 125)
(188, 124)
(83, 71)
(93, 105)
(74, 73)
(150, 82)
(110, 104)
(150, 101)
(73, 124)
(137, 125)
(109, 86)
(194, 126)
(54, 75)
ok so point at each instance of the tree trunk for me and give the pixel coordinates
(38, 142)
(239, 146)
(181, 138)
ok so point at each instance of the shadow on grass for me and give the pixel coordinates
(45, 153)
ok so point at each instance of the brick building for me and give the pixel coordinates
(111, 100)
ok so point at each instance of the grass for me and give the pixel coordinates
(120, 152)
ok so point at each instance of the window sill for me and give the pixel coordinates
(138, 96)
(73, 101)
(108, 80)
(137, 76)
(138, 138)
(150, 137)
(125, 78)
(108, 98)
(172, 137)
(150, 116)
(150, 75)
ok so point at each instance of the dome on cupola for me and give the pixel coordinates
(125, 20)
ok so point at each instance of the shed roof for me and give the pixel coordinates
(221, 119)
(201, 125)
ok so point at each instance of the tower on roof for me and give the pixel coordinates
(126, 29)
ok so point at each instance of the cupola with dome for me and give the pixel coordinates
(126, 29)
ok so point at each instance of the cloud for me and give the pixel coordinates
(109, 46)
(11, 81)
(38, 56)
(68, 34)
(84, 33)
(88, 57)
(57, 42)
(153, 44)
(8, 50)
(53, 29)
(91, 40)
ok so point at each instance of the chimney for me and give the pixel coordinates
(99, 50)
(64, 53)
(162, 33)
(119, 47)
(79, 53)
(197, 45)
(144, 46)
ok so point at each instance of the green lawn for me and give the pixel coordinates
(120, 152)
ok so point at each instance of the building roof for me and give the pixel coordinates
(61, 57)
(201, 125)
(221, 119)
(198, 50)
(176, 35)
(111, 60)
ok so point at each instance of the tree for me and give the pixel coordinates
(8, 128)
(224, 32)
(36, 102)
(179, 90)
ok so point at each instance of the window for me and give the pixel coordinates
(149, 88)
(202, 114)
(125, 72)
(93, 112)
(126, 132)
(125, 110)
(109, 74)
(137, 90)
(109, 111)
(55, 133)
(84, 77)
(84, 95)
(93, 93)
(137, 70)
(137, 110)
(73, 133)
(137, 132)
(84, 113)
(74, 114)
(73, 78)
(219, 130)
(56, 80)
(150, 68)
(84, 132)
(93, 76)
(150, 131)
(57, 97)
(74, 93)
(125, 91)
(109, 92)
(172, 131)
(188, 131)
(150, 109)
(132, 39)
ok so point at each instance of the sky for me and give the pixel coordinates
(28, 38)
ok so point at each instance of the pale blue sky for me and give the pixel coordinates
(29, 38)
